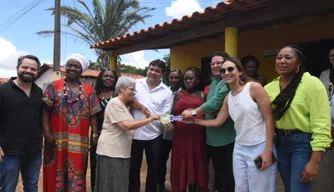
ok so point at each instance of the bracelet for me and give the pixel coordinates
(95, 135)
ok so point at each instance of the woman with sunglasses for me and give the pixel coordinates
(249, 107)
(104, 88)
(114, 145)
(189, 167)
(302, 114)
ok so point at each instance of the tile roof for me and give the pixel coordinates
(87, 73)
(3, 80)
(135, 76)
(210, 14)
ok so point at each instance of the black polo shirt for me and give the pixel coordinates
(20, 119)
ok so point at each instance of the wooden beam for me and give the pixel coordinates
(273, 13)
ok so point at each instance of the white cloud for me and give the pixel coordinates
(7, 73)
(135, 59)
(8, 58)
(180, 8)
(9, 54)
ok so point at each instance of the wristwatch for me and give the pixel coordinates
(193, 112)
(95, 135)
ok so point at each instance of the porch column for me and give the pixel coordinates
(113, 62)
(231, 41)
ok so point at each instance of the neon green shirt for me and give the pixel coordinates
(225, 134)
(309, 110)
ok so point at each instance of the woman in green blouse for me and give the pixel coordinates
(302, 114)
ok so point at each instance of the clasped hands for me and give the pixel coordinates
(167, 126)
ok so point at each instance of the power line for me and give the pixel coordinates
(6, 7)
(20, 14)
(64, 20)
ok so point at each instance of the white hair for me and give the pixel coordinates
(124, 82)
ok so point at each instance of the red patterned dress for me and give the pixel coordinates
(189, 161)
(65, 166)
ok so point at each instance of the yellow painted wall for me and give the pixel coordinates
(255, 42)
(191, 54)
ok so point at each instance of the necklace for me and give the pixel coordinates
(66, 95)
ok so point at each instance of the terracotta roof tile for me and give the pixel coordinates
(135, 76)
(87, 73)
(3, 80)
(198, 16)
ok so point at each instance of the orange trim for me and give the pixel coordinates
(209, 12)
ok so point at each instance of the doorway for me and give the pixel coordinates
(317, 55)
(206, 70)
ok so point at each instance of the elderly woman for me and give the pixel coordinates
(70, 107)
(114, 145)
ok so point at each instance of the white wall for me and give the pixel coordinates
(45, 79)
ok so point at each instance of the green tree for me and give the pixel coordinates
(94, 66)
(128, 69)
(142, 72)
(104, 22)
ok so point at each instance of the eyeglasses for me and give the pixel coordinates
(331, 56)
(217, 63)
(229, 69)
(132, 89)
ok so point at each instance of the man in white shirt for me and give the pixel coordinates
(157, 98)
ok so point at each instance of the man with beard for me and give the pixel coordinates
(157, 97)
(20, 127)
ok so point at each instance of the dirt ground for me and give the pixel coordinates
(19, 187)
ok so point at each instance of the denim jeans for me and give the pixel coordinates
(152, 150)
(294, 151)
(29, 165)
(248, 178)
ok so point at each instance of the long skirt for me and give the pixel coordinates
(112, 174)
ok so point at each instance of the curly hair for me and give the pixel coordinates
(198, 74)
(283, 100)
(99, 86)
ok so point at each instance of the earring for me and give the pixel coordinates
(297, 70)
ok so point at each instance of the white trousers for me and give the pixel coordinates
(248, 178)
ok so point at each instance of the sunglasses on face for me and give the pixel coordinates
(229, 69)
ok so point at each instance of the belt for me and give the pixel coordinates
(283, 132)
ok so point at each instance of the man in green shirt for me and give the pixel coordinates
(220, 141)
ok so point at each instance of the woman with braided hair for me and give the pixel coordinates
(302, 114)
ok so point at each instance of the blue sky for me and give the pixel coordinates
(18, 36)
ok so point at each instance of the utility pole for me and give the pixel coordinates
(56, 42)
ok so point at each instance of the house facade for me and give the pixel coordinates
(46, 76)
(241, 27)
